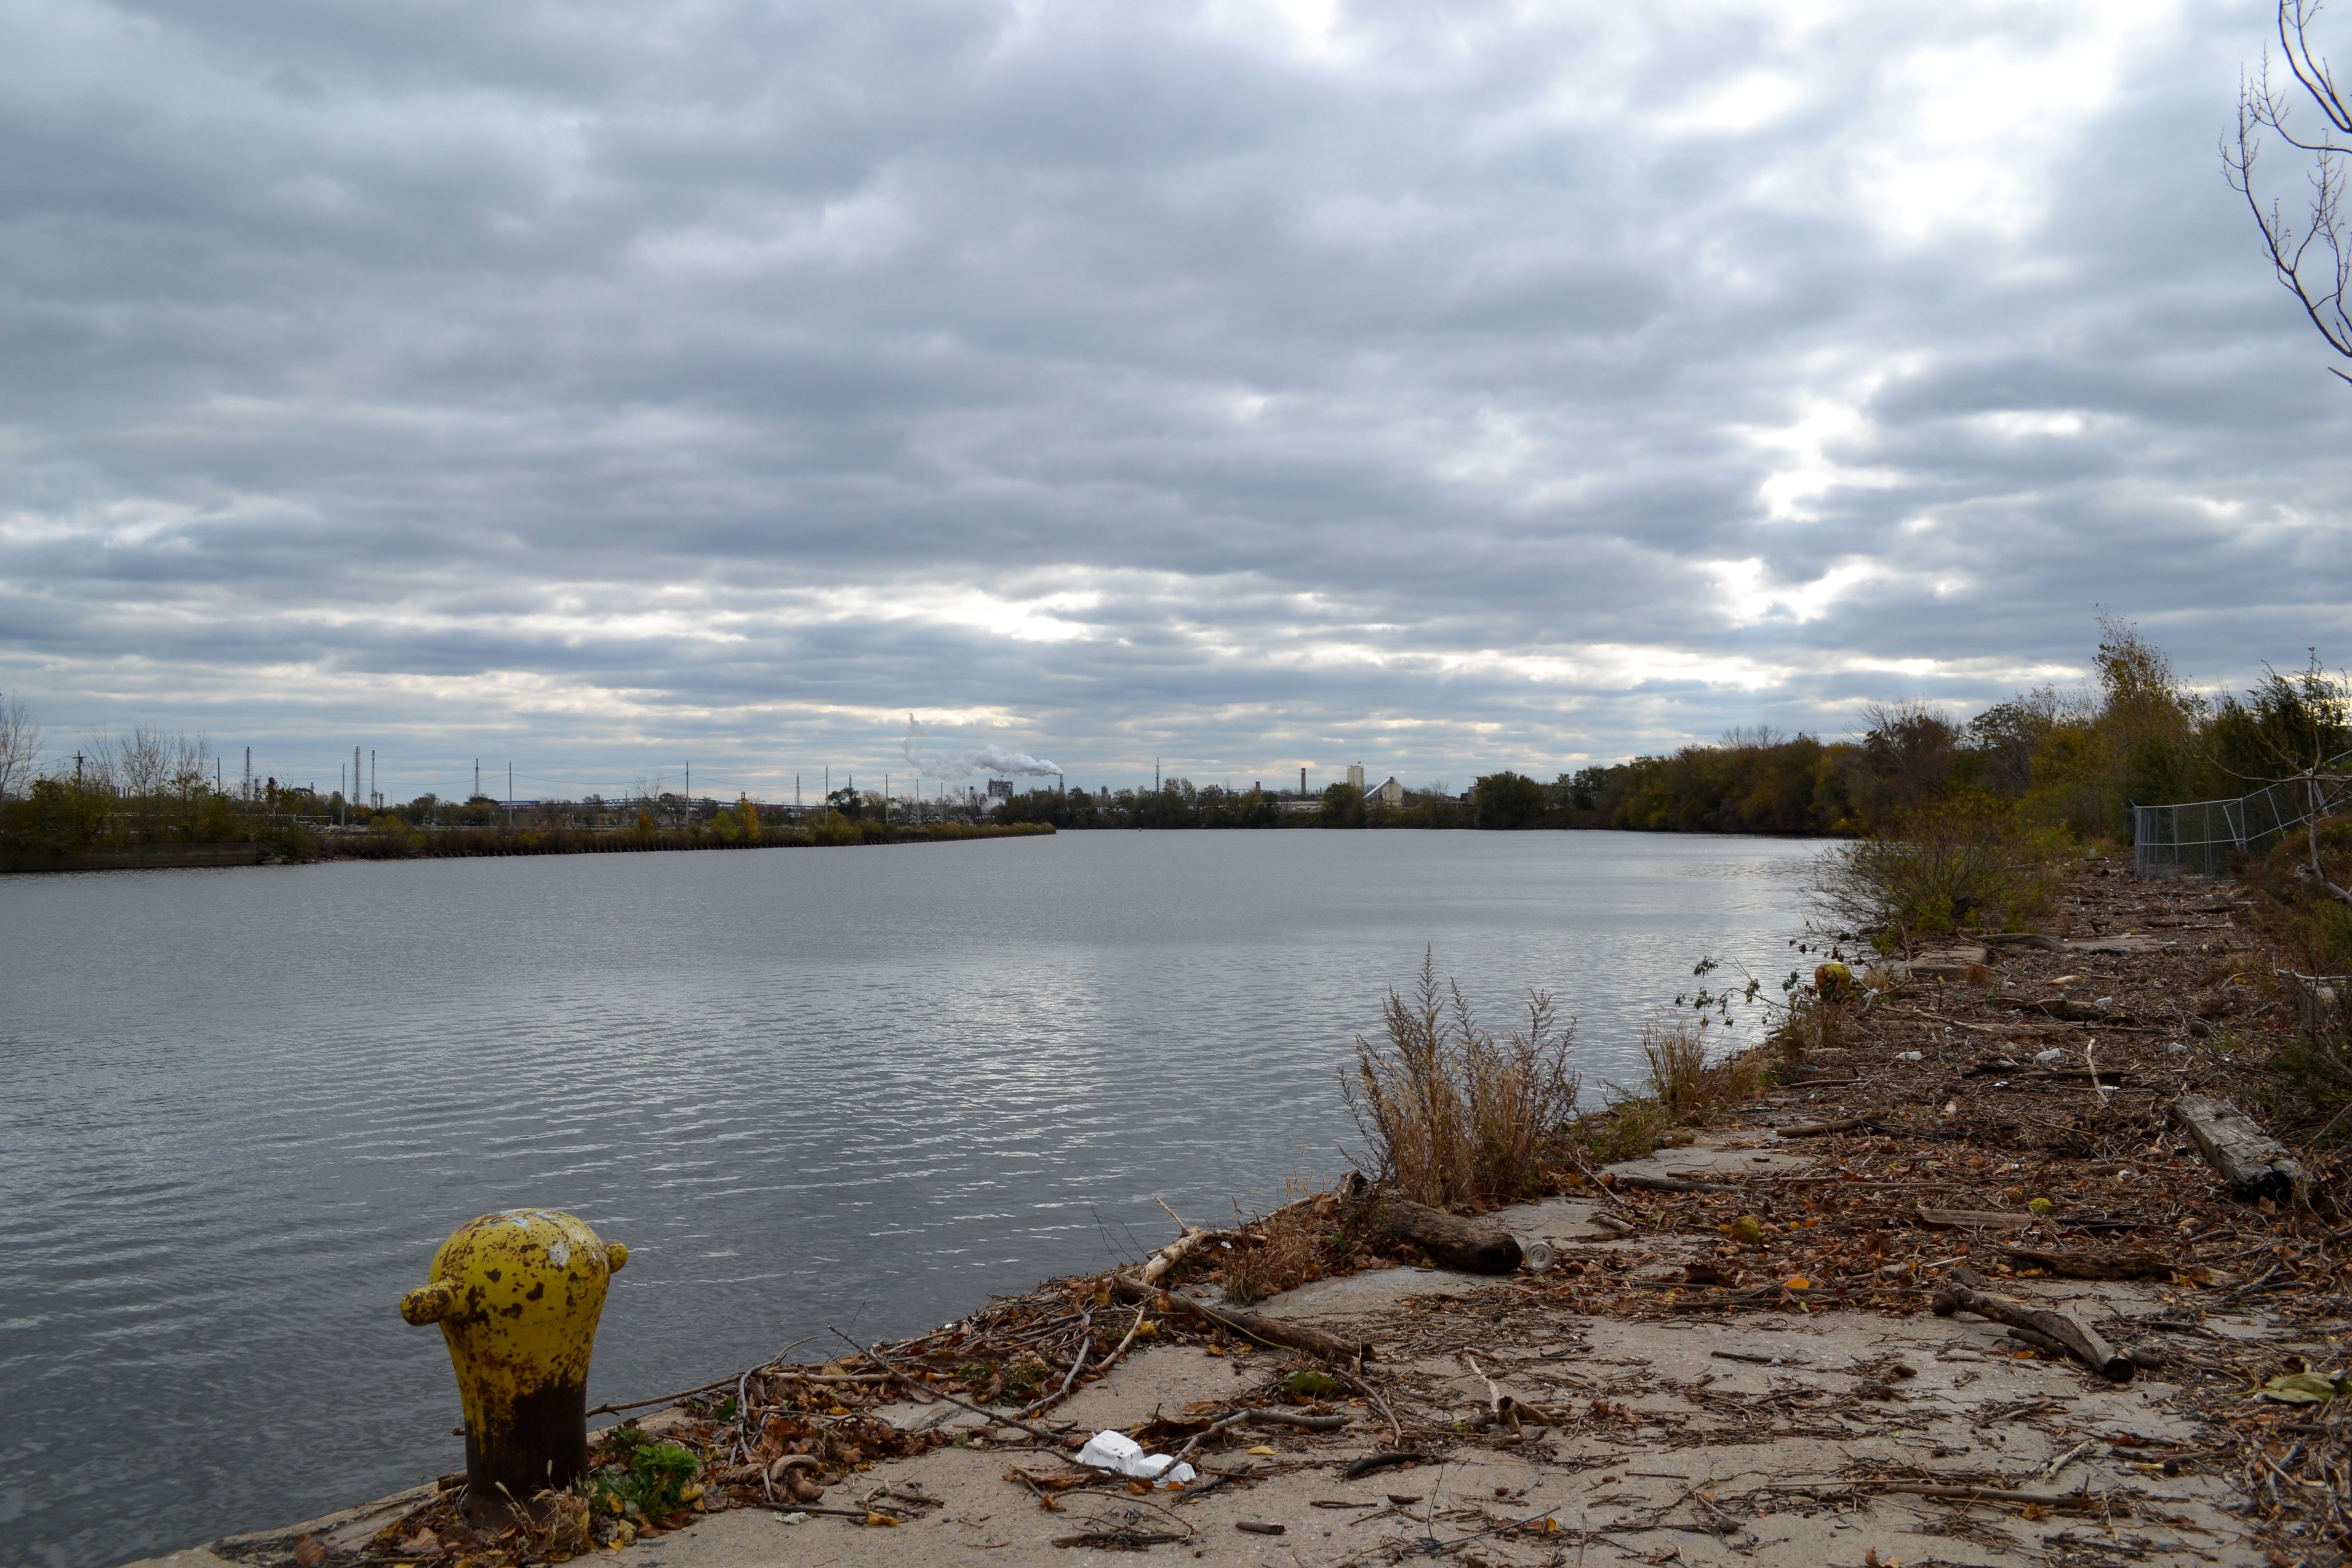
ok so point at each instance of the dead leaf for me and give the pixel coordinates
(308, 1553)
(2304, 1387)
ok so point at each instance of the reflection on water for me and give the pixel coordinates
(242, 1108)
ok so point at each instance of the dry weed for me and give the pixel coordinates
(1689, 1090)
(1629, 1129)
(1453, 1114)
(1291, 1250)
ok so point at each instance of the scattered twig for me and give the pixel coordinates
(994, 1418)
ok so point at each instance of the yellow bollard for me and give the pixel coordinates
(517, 1296)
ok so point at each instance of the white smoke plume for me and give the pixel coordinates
(988, 759)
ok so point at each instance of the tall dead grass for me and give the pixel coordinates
(1452, 1113)
(1285, 1249)
(1687, 1087)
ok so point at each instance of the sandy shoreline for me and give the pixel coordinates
(1785, 1403)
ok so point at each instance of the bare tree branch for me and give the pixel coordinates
(2315, 264)
(20, 745)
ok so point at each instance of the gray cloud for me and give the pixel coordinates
(1253, 384)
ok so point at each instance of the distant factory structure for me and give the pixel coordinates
(1388, 793)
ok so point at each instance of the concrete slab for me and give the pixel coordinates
(1704, 1441)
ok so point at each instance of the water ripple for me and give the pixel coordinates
(239, 1110)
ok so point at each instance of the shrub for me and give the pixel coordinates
(1453, 1114)
(1628, 1130)
(641, 1476)
(2317, 1066)
(1950, 863)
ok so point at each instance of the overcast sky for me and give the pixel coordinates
(1253, 383)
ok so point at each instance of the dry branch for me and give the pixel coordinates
(2003, 1494)
(1820, 1128)
(2106, 1263)
(2081, 1342)
(1975, 1219)
(1668, 1184)
(1249, 1325)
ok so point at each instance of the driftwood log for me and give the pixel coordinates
(1249, 1325)
(2255, 1164)
(1176, 1251)
(2106, 1263)
(2079, 1341)
(1822, 1129)
(1451, 1241)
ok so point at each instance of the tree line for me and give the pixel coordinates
(2072, 761)
(155, 789)
(2068, 761)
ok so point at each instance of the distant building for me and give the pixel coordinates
(1356, 777)
(1391, 794)
(1000, 789)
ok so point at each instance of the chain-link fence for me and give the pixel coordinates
(2198, 837)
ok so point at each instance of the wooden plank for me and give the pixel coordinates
(2255, 1164)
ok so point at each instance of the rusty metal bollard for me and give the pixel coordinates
(518, 1296)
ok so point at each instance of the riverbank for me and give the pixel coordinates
(306, 846)
(1734, 1353)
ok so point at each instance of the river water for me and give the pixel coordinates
(238, 1110)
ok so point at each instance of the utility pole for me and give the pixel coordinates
(375, 796)
(478, 778)
(344, 794)
(249, 776)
